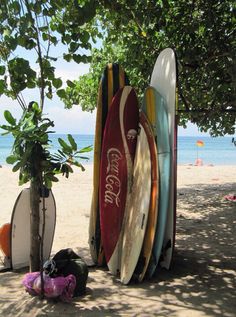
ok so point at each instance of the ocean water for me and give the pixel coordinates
(216, 151)
(82, 141)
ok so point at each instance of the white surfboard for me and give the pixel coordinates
(164, 81)
(20, 228)
(136, 213)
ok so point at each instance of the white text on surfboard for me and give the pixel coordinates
(113, 183)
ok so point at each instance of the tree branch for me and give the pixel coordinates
(40, 57)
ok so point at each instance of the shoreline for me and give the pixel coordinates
(178, 164)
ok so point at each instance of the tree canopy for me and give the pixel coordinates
(38, 26)
(203, 35)
(131, 32)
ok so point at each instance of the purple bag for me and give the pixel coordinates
(58, 287)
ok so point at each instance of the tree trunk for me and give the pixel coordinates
(34, 226)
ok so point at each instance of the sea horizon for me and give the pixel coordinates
(214, 151)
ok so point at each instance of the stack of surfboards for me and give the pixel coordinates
(133, 212)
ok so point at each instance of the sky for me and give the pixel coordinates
(74, 121)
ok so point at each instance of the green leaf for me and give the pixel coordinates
(31, 84)
(16, 167)
(78, 58)
(70, 170)
(29, 128)
(76, 163)
(45, 36)
(61, 93)
(8, 116)
(82, 157)
(23, 178)
(6, 127)
(84, 37)
(66, 148)
(48, 182)
(67, 57)
(57, 82)
(2, 70)
(11, 159)
(2, 86)
(16, 7)
(63, 154)
(37, 7)
(51, 177)
(72, 142)
(36, 108)
(5, 133)
(29, 44)
(86, 149)
(70, 84)
(49, 95)
(67, 170)
(55, 179)
(54, 59)
(73, 47)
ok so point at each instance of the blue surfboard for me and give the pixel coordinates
(154, 106)
(164, 80)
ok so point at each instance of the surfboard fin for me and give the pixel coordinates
(140, 265)
(164, 250)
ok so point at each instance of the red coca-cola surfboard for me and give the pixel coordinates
(118, 151)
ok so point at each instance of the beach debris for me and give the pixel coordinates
(230, 197)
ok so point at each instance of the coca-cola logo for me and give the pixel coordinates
(113, 183)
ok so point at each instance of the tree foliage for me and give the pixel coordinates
(31, 149)
(38, 26)
(203, 36)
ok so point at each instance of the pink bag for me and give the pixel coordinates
(61, 287)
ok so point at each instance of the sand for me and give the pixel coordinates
(201, 282)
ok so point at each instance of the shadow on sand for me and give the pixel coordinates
(200, 283)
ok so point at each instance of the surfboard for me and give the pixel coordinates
(118, 151)
(20, 228)
(5, 239)
(163, 79)
(146, 250)
(112, 80)
(139, 202)
(154, 106)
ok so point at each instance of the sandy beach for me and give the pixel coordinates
(202, 281)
